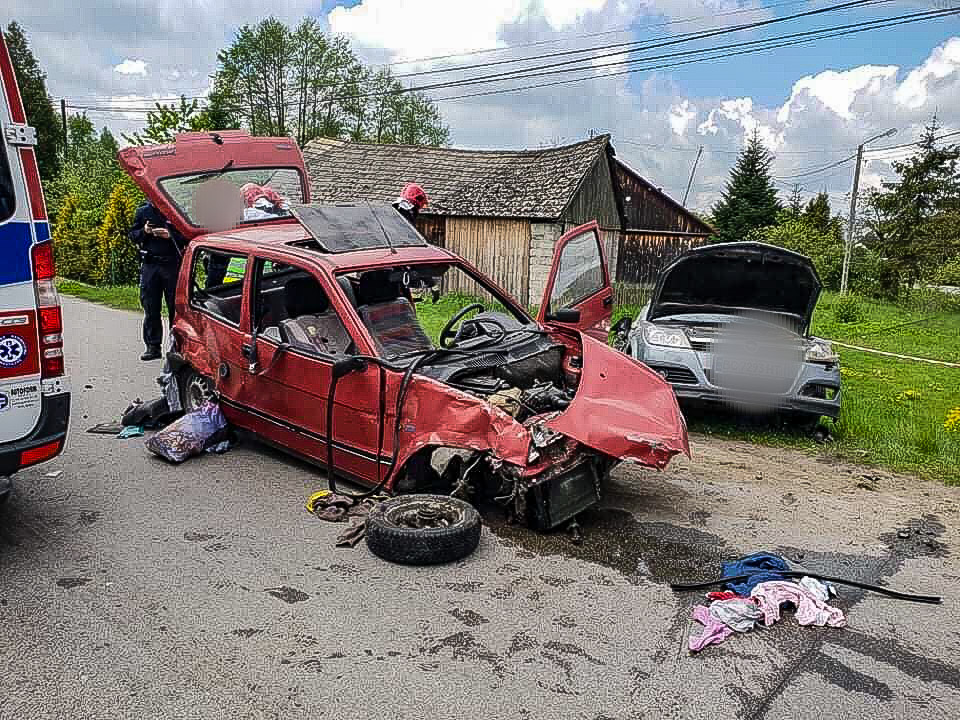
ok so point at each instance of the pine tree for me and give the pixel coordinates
(37, 103)
(750, 200)
(817, 213)
(914, 222)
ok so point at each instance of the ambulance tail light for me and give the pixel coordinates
(49, 317)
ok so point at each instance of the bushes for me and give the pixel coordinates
(117, 259)
(847, 310)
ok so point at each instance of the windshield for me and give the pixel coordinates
(406, 308)
(235, 197)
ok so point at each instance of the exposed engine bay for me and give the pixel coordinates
(519, 369)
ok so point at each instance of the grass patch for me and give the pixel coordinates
(894, 411)
(123, 297)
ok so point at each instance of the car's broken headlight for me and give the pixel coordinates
(820, 351)
(665, 336)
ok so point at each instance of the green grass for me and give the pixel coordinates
(123, 297)
(893, 410)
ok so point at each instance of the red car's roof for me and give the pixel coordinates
(280, 235)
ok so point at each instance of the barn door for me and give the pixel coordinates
(579, 283)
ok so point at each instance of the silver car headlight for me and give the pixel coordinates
(665, 336)
(820, 351)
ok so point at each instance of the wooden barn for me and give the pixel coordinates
(503, 210)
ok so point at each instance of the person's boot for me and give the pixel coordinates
(152, 353)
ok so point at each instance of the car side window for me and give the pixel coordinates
(580, 271)
(290, 305)
(216, 283)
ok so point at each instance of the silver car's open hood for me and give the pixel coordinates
(739, 278)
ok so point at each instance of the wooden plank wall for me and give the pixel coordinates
(645, 207)
(432, 227)
(500, 248)
(595, 199)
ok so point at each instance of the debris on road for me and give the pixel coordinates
(190, 435)
(760, 585)
(106, 429)
(423, 529)
(130, 431)
(53, 474)
(332, 507)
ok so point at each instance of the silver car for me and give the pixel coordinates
(729, 324)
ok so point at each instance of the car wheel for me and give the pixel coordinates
(423, 529)
(196, 390)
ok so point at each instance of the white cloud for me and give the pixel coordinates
(944, 61)
(131, 67)
(680, 116)
(836, 90)
(420, 28)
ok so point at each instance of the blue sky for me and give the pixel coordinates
(130, 51)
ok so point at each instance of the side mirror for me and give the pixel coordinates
(623, 325)
(347, 366)
(564, 315)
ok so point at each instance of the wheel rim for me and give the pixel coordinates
(424, 514)
(199, 392)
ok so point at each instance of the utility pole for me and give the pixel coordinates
(692, 171)
(63, 116)
(848, 246)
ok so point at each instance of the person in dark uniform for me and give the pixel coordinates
(161, 250)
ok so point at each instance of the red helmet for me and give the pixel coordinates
(415, 195)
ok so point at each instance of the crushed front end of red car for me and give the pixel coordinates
(539, 426)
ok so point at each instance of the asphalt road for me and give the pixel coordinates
(133, 589)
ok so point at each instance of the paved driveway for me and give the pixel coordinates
(132, 589)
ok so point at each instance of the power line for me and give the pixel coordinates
(649, 44)
(665, 41)
(792, 39)
(627, 28)
(676, 64)
(528, 72)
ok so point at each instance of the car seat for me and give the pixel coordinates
(395, 327)
(312, 324)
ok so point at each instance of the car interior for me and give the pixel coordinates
(292, 307)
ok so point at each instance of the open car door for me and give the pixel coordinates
(578, 293)
(265, 175)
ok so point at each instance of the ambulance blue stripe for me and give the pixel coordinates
(42, 229)
(15, 242)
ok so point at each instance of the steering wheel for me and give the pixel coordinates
(448, 333)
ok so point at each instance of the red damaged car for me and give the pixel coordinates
(339, 334)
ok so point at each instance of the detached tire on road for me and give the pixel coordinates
(423, 529)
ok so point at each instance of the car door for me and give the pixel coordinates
(579, 283)
(298, 327)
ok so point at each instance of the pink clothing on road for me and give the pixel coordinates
(714, 631)
(811, 610)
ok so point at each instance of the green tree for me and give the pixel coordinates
(166, 121)
(914, 221)
(817, 213)
(749, 200)
(79, 198)
(36, 102)
(276, 80)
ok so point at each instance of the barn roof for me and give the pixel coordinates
(493, 183)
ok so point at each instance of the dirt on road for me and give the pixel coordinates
(130, 588)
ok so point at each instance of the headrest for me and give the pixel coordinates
(304, 296)
(376, 287)
(347, 286)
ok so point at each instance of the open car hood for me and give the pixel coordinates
(623, 409)
(209, 153)
(739, 278)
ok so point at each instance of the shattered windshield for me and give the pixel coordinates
(233, 197)
(408, 308)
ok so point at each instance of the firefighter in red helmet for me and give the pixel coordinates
(411, 201)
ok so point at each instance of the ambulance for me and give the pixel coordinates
(34, 390)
